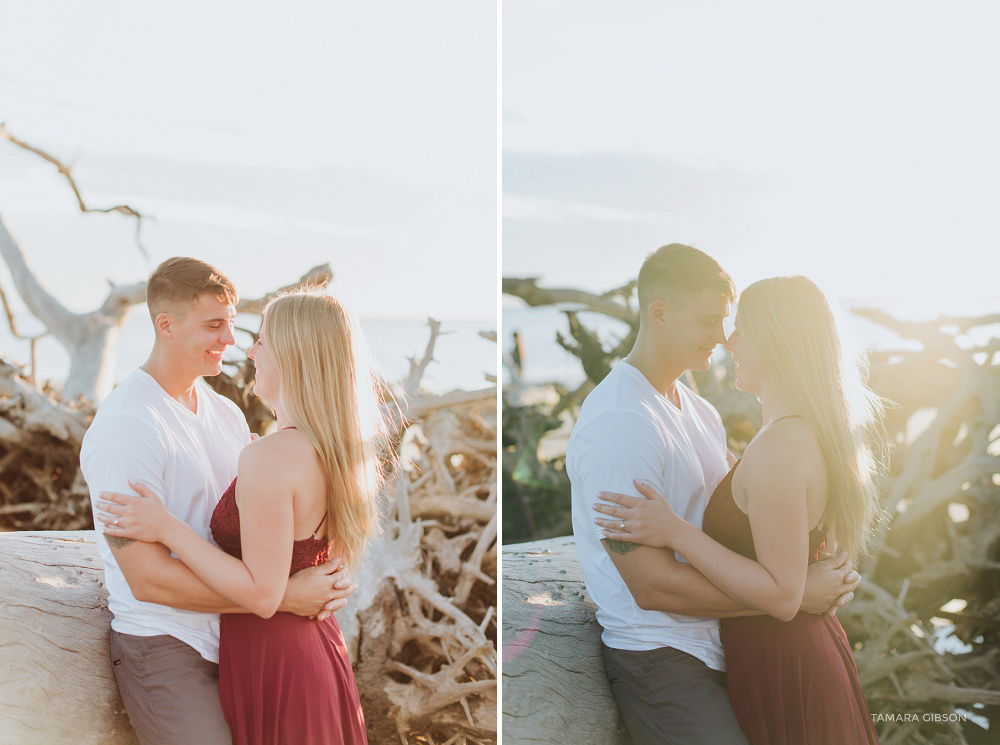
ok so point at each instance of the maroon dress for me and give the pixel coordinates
(284, 679)
(794, 682)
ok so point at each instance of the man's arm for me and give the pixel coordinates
(658, 581)
(129, 448)
(154, 576)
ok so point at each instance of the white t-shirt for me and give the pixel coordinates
(189, 459)
(628, 430)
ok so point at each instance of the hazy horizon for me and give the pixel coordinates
(853, 143)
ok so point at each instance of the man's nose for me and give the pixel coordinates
(228, 337)
(720, 334)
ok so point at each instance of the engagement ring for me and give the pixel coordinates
(623, 526)
(116, 522)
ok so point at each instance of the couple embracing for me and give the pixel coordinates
(709, 571)
(201, 519)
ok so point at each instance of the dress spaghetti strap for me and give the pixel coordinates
(313, 534)
(783, 418)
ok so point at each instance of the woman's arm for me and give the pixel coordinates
(258, 581)
(778, 513)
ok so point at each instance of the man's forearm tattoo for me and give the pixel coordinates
(619, 547)
(116, 541)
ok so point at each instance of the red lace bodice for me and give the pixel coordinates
(225, 525)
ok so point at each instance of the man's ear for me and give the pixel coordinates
(163, 324)
(657, 313)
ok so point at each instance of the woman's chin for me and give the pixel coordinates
(259, 392)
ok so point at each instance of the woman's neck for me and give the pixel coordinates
(772, 406)
(281, 420)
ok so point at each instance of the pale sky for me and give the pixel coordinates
(856, 142)
(265, 139)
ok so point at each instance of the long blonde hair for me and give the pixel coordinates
(791, 325)
(331, 400)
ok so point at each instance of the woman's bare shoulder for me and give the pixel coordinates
(788, 447)
(278, 455)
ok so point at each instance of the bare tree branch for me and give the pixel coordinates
(67, 171)
(318, 276)
(926, 331)
(63, 324)
(533, 295)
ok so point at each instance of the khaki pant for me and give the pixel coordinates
(171, 693)
(668, 697)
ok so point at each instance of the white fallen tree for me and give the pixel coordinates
(555, 690)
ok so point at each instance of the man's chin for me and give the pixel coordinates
(702, 364)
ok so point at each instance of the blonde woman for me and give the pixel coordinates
(805, 484)
(307, 486)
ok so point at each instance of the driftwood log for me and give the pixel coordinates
(56, 684)
(555, 691)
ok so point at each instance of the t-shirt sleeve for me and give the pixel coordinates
(122, 449)
(613, 449)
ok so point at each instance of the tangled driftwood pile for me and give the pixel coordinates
(41, 487)
(426, 610)
(937, 557)
(938, 561)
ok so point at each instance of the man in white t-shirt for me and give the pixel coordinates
(661, 645)
(164, 427)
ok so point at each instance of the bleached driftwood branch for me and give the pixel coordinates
(528, 290)
(90, 338)
(67, 172)
(318, 276)
(441, 597)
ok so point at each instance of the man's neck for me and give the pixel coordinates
(660, 373)
(178, 384)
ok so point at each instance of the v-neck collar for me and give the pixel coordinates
(679, 407)
(173, 401)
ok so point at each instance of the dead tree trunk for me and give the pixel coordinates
(56, 683)
(90, 338)
(555, 691)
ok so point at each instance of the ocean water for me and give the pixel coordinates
(544, 361)
(461, 356)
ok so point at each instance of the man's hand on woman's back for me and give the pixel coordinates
(830, 585)
(316, 592)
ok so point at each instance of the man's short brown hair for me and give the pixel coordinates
(178, 283)
(676, 271)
